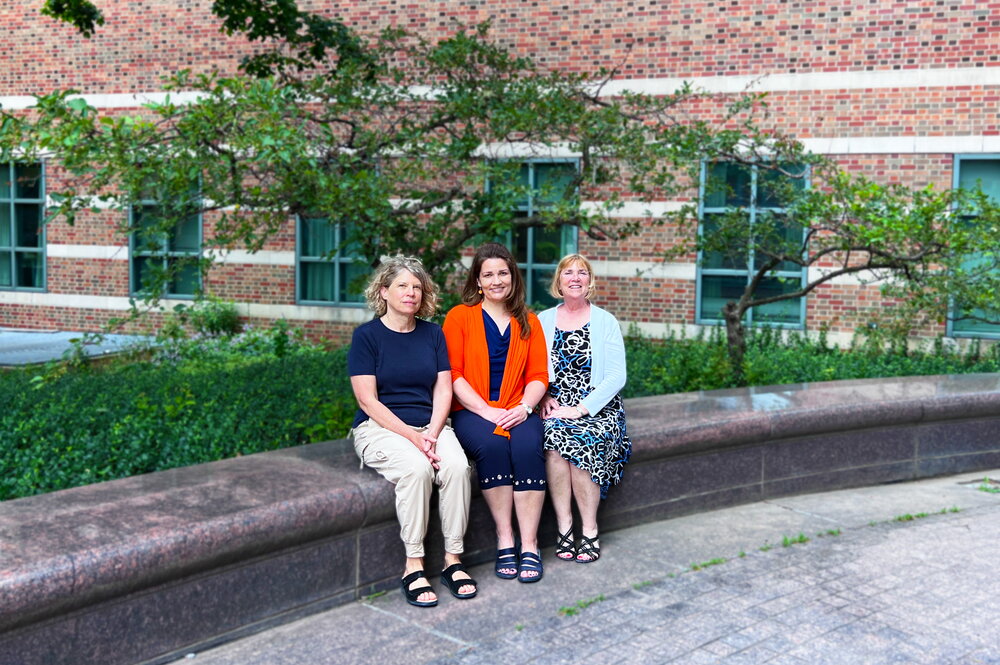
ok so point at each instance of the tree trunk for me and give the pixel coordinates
(736, 339)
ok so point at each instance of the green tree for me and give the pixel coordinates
(409, 140)
(932, 251)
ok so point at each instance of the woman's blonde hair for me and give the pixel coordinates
(566, 262)
(388, 271)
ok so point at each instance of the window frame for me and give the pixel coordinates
(752, 210)
(14, 249)
(336, 261)
(950, 330)
(165, 254)
(529, 267)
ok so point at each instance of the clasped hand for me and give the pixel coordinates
(506, 418)
(550, 408)
(427, 444)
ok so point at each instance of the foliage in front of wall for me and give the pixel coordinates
(188, 400)
(98, 424)
(774, 357)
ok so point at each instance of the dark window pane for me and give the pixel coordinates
(353, 277)
(548, 245)
(28, 217)
(186, 277)
(186, 235)
(28, 179)
(783, 311)
(777, 188)
(318, 281)
(727, 185)
(973, 325)
(734, 257)
(521, 240)
(553, 182)
(6, 269)
(29, 269)
(319, 238)
(717, 290)
(5, 225)
(146, 272)
(148, 236)
(6, 182)
(775, 236)
(540, 298)
(981, 172)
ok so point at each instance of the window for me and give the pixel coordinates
(161, 255)
(22, 231)
(972, 171)
(722, 277)
(327, 270)
(538, 250)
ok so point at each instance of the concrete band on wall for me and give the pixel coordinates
(144, 568)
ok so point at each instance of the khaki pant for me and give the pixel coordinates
(402, 464)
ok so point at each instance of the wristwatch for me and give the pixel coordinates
(527, 408)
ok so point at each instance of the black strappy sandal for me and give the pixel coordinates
(413, 594)
(588, 548)
(448, 577)
(565, 545)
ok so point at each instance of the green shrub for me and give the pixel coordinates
(92, 425)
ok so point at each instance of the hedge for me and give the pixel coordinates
(204, 400)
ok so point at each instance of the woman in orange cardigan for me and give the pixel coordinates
(499, 372)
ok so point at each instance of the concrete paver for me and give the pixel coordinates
(865, 588)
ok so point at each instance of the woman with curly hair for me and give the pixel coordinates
(402, 381)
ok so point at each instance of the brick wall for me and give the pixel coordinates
(793, 46)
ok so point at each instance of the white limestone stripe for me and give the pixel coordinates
(904, 145)
(607, 269)
(121, 253)
(808, 81)
(108, 252)
(797, 82)
(243, 257)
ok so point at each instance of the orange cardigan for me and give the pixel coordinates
(465, 335)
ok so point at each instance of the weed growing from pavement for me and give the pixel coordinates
(519, 627)
(373, 596)
(787, 541)
(828, 532)
(989, 486)
(706, 564)
(580, 605)
(639, 585)
(766, 547)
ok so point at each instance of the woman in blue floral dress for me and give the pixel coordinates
(586, 442)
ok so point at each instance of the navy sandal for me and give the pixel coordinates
(565, 546)
(588, 548)
(506, 558)
(413, 594)
(530, 561)
(448, 577)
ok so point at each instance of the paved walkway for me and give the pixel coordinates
(903, 573)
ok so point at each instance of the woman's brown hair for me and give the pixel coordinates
(471, 294)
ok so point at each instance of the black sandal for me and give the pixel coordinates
(413, 594)
(506, 559)
(588, 548)
(448, 577)
(565, 545)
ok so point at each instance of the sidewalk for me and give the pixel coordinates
(865, 588)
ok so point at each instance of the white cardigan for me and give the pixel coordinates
(607, 375)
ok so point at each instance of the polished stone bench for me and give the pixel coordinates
(143, 569)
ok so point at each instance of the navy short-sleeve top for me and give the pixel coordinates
(405, 367)
(498, 343)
